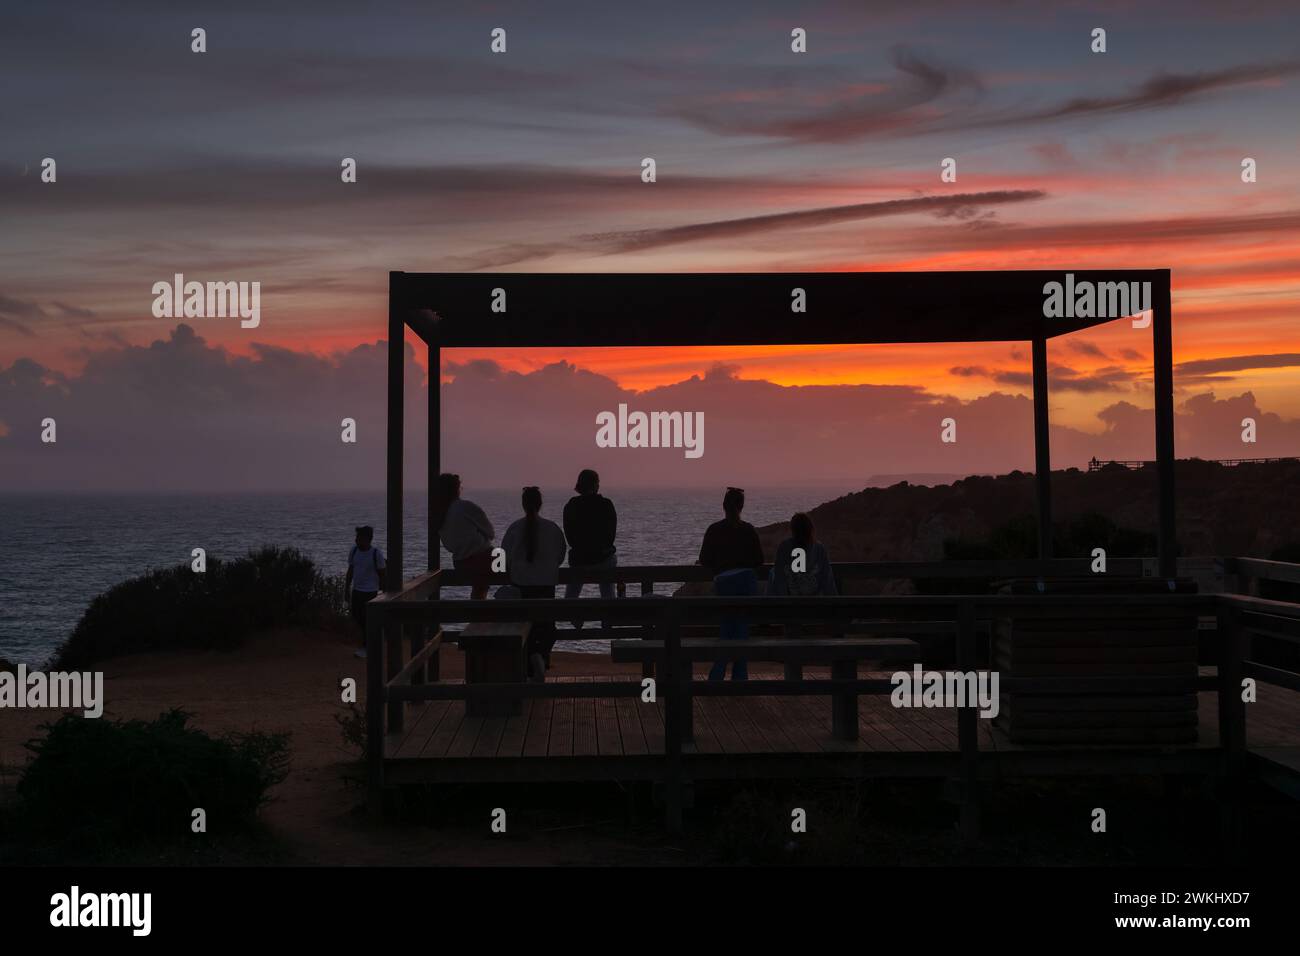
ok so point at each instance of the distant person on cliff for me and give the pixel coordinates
(732, 551)
(590, 524)
(534, 548)
(466, 532)
(365, 578)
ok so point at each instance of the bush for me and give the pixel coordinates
(179, 608)
(95, 784)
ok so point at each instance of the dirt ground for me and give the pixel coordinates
(290, 682)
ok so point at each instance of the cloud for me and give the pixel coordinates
(73, 311)
(1210, 370)
(858, 109)
(928, 97)
(1158, 91)
(808, 218)
(21, 308)
(16, 326)
(1060, 378)
(180, 414)
(1084, 347)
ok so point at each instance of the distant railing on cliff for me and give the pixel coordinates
(1096, 465)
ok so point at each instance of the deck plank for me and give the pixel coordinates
(584, 724)
(440, 740)
(706, 740)
(652, 722)
(794, 721)
(627, 712)
(609, 736)
(489, 737)
(729, 741)
(614, 727)
(537, 739)
(462, 745)
(424, 723)
(744, 725)
(562, 728)
(771, 730)
(515, 732)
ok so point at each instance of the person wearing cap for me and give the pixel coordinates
(365, 578)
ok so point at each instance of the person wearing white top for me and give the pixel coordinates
(365, 578)
(535, 549)
(466, 532)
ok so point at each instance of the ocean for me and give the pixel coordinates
(57, 552)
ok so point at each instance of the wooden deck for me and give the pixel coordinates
(623, 738)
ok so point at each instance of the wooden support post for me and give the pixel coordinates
(1232, 729)
(435, 448)
(844, 706)
(396, 409)
(393, 658)
(1162, 360)
(647, 666)
(419, 632)
(794, 669)
(673, 712)
(968, 726)
(1232, 709)
(1042, 450)
(375, 712)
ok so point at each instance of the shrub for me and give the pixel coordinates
(100, 783)
(178, 608)
(352, 727)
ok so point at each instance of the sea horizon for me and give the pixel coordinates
(85, 543)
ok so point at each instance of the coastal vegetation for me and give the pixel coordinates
(218, 608)
(95, 787)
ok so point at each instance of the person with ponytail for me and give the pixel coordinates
(535, 548)
(466, 532)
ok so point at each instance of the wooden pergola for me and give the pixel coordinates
(520, 310)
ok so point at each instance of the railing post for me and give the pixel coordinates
(671, 681)
(844, 705)
(1232, 709)
(647, 666)
(1232, 728)
(375, 710)
(968, 726)
(393, 658)
(419, 631)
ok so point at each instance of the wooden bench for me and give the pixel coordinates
(841, 653)
(494, 654)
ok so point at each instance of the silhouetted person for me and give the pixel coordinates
(534, 548)
(590, 524)
(731, 550)
(801, 575)
(365, 578)
(466, 532)
(810, 573)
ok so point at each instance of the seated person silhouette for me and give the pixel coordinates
(732, 551)
(534, 548)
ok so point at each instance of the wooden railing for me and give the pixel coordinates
(648, 575)
(1244, 575)
(394, 678)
